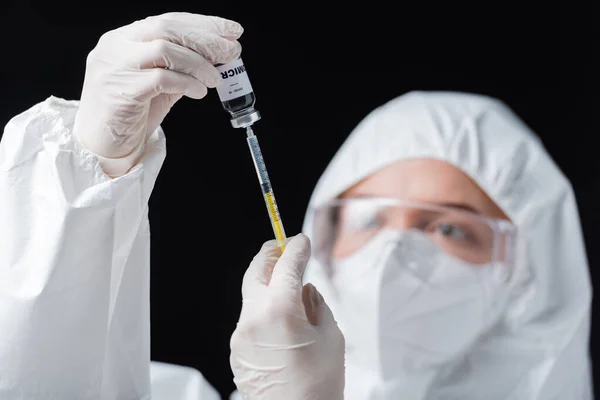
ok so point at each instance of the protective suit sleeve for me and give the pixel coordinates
(178, 382)
(74, 263)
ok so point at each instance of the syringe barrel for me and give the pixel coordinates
(267, 190)
(259, 164)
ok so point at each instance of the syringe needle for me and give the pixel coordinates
(267, 190)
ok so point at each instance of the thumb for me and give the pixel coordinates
(317, 311)
(288, 271)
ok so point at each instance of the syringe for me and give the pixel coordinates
(267, 190)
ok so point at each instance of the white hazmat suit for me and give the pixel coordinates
(539, 347)
(75, 269)
(74, 312)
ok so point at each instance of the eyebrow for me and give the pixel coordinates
(459, 206)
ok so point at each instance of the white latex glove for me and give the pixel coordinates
(287, 344)
(135, 75)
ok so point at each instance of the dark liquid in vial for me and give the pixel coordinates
(239, 103)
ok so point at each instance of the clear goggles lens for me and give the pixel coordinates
(343, 227)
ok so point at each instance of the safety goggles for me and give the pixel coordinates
(343, 227)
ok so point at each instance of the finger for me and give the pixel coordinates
(215, 48)
(153, 82)
(317, 311)
(165, 54)
(287, 274)
(320, 316)
(258, 274)
(310, 301)
(220, 26)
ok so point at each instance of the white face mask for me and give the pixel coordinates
(407, 307)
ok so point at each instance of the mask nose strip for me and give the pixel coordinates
(415, 257)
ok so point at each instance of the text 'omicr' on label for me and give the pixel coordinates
(233, 71)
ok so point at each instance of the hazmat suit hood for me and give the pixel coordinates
(539, 348)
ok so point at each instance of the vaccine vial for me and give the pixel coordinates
(236, 94)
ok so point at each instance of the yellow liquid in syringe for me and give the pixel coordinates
(267, 191)
(275, 220)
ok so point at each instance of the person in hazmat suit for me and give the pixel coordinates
(446, 244)
(443, 240)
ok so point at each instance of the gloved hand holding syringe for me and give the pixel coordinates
(237, 97)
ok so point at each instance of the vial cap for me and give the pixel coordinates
(242, 121)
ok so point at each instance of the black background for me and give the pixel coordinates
(317, 69)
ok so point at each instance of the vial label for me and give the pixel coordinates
(235, 81)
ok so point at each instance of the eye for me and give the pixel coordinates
(451, 231)
(359, 220)
(368, 222)
(360, 217)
